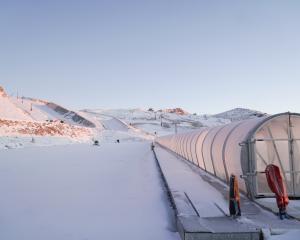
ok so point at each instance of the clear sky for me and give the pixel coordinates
(205, 56)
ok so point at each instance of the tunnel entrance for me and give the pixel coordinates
(278, 142)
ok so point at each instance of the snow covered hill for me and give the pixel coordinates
(238, 114)
(164, 122)
(40, 110)
(23, 119)
(8, 110)
(32, 122)
(158, 123)
(30, 109)
(27, 121)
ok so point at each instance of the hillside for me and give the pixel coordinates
(28, 121)
(32, 122)
(238, 114)
(8, 110)
(157, 123)
(25, 118)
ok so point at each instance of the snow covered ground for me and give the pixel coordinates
(83, 192)
(11, 142)
(69, 190)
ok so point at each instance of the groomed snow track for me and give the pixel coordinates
(83, 192)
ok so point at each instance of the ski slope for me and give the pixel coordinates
(33, 122)
(151, 122)
(8, 110)
(113, 129)
(109, 122)
(115, 124)
(83, 192)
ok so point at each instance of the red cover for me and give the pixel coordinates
(277, 186)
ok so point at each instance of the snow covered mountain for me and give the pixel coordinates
(32, 122)
(164, 122)
(238, 114)
(27, 118)
(157, 123)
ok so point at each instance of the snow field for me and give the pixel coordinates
(83, 192)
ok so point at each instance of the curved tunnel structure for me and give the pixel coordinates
(245, 148)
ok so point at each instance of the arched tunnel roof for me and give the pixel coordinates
(244, 148)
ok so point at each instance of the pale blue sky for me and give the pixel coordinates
(205, 56)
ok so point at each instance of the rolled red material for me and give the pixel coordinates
(277, 186)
